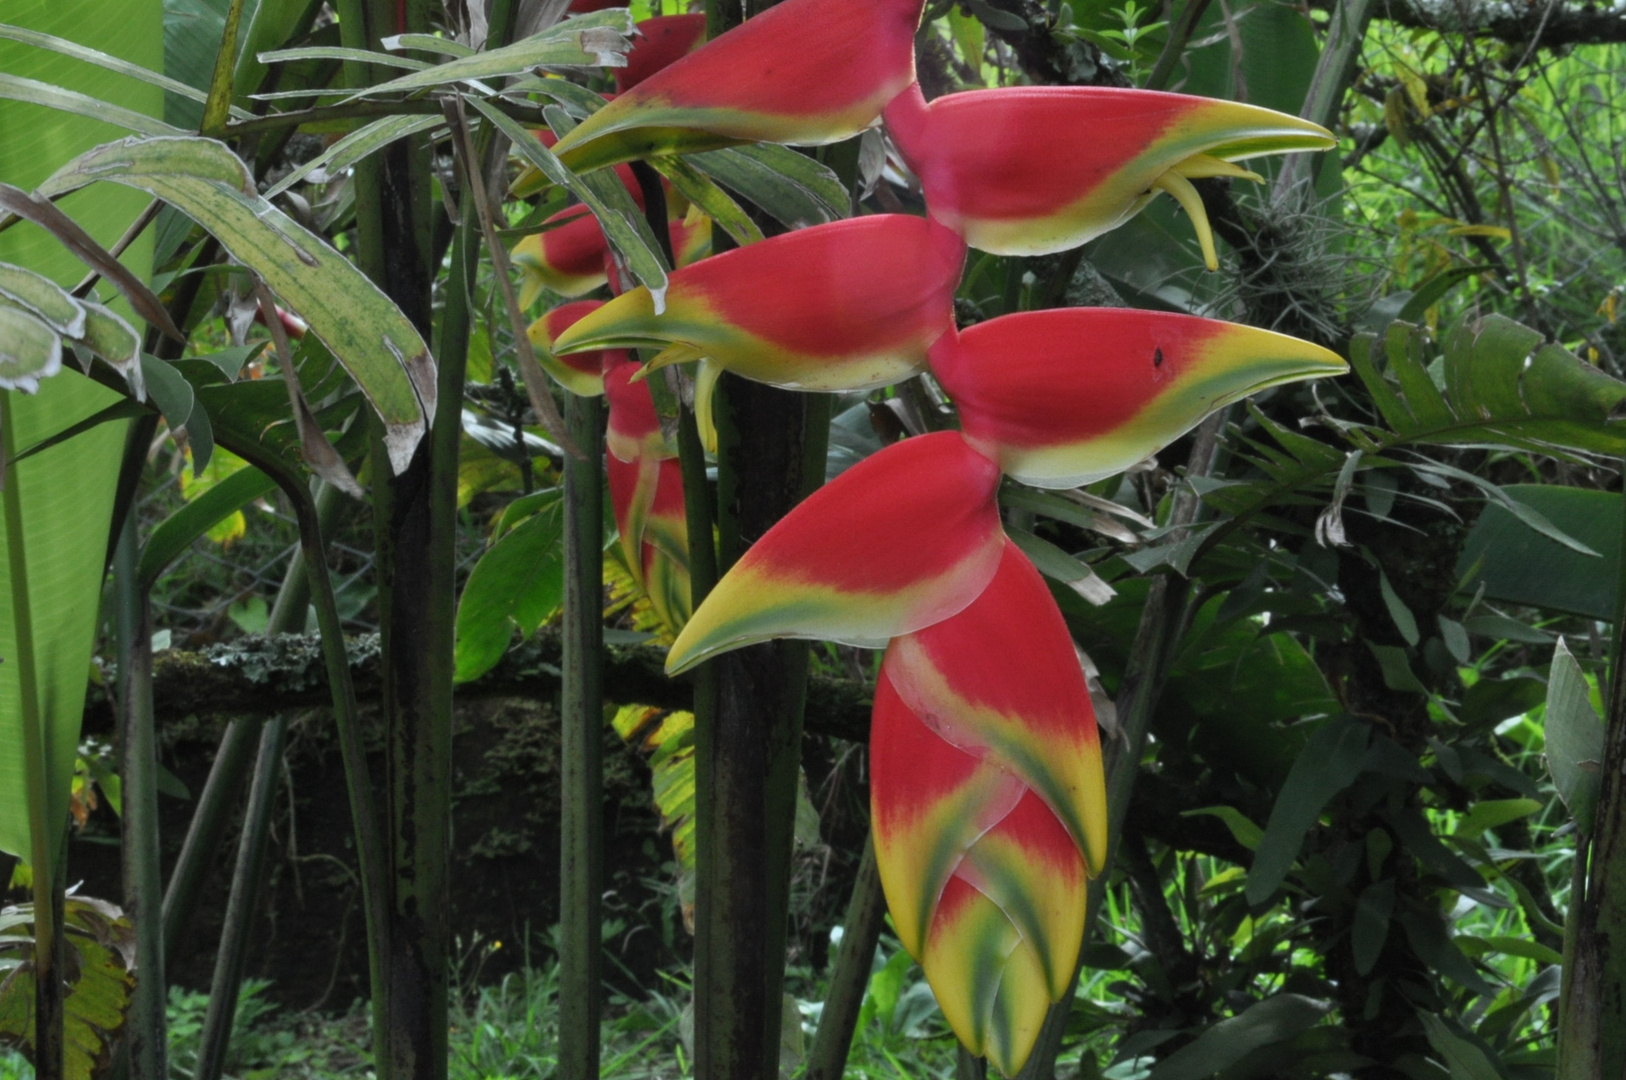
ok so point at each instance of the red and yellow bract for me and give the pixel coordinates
(988, 798)
(845, 306)
(1107, 152)
(804, 71)
(903, 539)
(988, 804)
(1069, 396)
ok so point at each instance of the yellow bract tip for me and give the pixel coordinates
(1192, 203)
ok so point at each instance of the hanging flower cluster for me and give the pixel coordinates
(988, 800)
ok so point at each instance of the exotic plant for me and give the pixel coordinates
(987, 791)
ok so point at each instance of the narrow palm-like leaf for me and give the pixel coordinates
(898, 542)
(803, 71)
(974, 153)
(1070, 395)
(846, 306)
(370, 336)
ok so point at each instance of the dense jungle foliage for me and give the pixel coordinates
(1352, 643)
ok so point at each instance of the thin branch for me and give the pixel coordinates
(536, 381)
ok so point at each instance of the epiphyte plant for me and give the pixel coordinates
(987, 792)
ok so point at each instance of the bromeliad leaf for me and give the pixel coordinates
(368, 334)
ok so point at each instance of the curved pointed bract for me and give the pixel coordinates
(1002, 679)
(804, 71)
(903, 539)
(974, 154)
(658, 43)
(1071, 395)
(566, 258)
(982, 750)
(580, 373)
(845, 306)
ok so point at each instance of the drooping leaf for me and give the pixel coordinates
(30, 350)
(617, 215)
(597, 40)
(788, 186)
(367, 333)
(175, 534)
(1273, 1020)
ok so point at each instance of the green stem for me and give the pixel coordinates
(232, 761)
(48, 995)
(293, 600)
(146, 1041)
(1592, 1011)
(866, 914)
(246, 885)
(581, 821)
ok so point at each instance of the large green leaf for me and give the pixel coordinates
(1273, 1020)
(1517, 564)
(65, 539)
(1329, 763)
(1501, 385)
(367, 333)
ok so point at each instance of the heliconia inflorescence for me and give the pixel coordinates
(987, 789)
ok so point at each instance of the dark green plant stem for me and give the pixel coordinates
(246, 884)
(1592, 1011)
(237, 745)
(207, 828)
(1162, 623)
(141, 854)
(248, 877)
(48, 876)
(414, 529)
(1179, 35)
(967, 1066)
(772, 446)
(866, 914)
(581, 768)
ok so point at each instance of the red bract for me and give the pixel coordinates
(898, 542)
(1071, 395)
(660, 41)
(845, 306)
(580, 373)
(1106, 153)
(804, 71)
